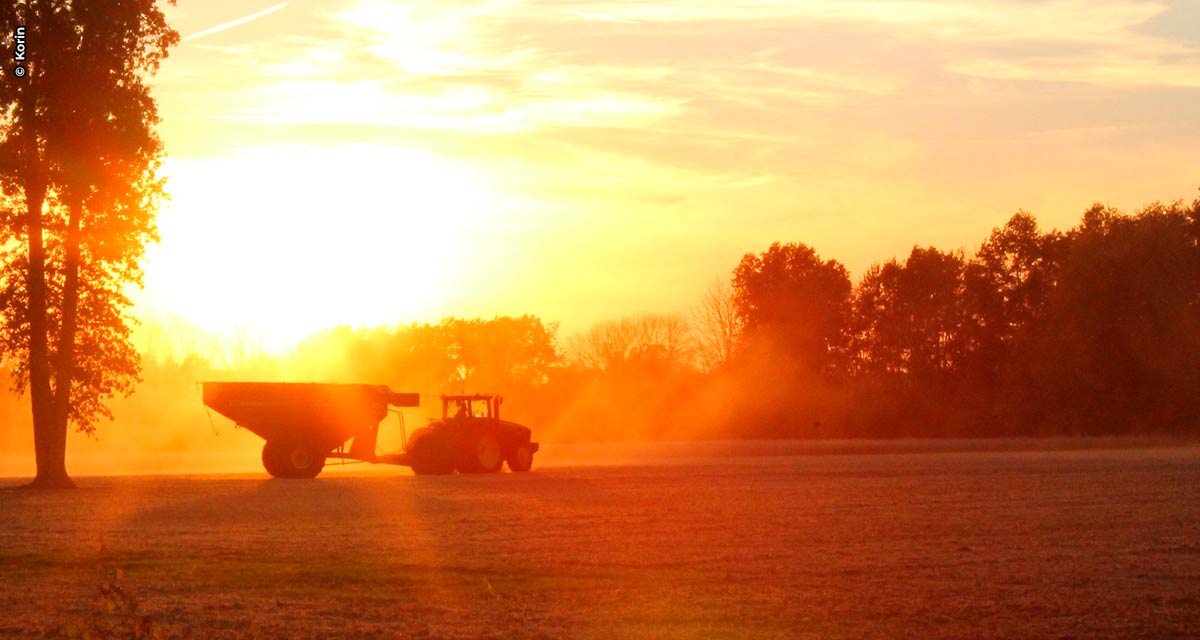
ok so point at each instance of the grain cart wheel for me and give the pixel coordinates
(292, 460)
(521, 458)
(304, 461)
(429, 450)
(480, 451)
(272, 459)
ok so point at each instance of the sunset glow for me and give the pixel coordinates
(582, 319)
(295, 238)
(369, 162)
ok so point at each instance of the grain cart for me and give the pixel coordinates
(306, 423)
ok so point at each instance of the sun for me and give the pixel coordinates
(285, 240)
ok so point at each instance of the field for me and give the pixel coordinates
(892, 542)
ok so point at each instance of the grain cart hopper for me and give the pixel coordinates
(305, 423)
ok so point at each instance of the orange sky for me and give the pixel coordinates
(370, 162)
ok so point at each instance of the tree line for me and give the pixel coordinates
(1090, 331)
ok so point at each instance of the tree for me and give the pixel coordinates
(907, 343)
(718, 327)
(1119, 347)
(793, 305)
(78, 139)
(501, 353)
(909, 316)
(660, 342)
(1007, 285)
(634, 377)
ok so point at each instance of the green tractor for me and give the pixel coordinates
(470, 437)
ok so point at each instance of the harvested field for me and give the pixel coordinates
(1020, 543)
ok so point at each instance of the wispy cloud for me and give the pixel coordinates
(602, 17)
(238, 22)
(826, 121)
(1107, 71)
(1071, 19)
(475, 109)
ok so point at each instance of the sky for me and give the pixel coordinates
(363, 162)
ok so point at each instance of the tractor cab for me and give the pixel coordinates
(458, 407)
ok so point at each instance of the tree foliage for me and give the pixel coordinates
(81, 153)
(1122, 325)
(1084, 332)
(503, 354)
(908, 318)
(793, 304)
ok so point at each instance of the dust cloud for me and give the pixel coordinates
(164, 427)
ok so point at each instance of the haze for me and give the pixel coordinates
(370, 163)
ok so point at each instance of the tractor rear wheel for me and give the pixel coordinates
(429, 451)
(480, 451)
(521, 458)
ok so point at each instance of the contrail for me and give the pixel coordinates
(233, 23)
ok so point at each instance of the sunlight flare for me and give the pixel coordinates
(289, 239)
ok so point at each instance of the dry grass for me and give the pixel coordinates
(1012, 544)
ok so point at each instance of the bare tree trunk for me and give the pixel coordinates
(49, 441)
(64, 369)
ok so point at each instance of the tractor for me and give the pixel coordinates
(470, 437)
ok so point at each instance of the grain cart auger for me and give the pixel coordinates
(306, 423)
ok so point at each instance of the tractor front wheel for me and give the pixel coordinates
(521, 458)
